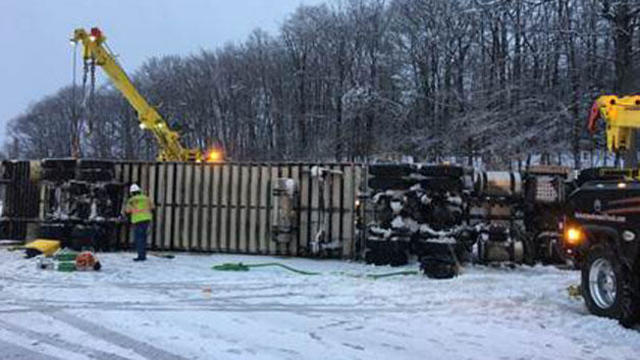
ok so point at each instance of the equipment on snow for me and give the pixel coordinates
(41, 246)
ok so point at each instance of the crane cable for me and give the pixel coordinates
(74, 109)
(73, 75)
(78, 113)
(92, 90)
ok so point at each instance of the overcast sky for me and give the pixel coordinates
(36, 56)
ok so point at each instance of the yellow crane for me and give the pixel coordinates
(168, 140)
(622, 118)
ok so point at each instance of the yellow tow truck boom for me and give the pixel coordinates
(169, 146)
(622, 118)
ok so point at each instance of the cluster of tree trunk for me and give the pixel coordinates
(370, 79)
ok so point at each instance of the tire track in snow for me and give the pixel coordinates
(16, 352)
(238, 308)
(255, 302)
(166, 285)
(59, 343)
(116, 338)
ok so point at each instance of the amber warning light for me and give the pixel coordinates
(214, 155)
(573, 236)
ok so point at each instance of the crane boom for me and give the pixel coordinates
(170, 148)
(622, 117)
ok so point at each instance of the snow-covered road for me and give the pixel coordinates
(181, 309)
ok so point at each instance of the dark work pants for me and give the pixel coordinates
(140, 236)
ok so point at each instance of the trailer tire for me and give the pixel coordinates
(375, 257)
(436, 268)
(386, 255)
(399, 257)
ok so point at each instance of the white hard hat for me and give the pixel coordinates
(134, 188)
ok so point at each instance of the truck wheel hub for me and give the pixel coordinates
(602, 283)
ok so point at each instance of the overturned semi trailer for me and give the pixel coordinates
(385, 213)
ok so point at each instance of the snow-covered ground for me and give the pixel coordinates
(181, 309)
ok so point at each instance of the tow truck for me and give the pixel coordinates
(601, 225)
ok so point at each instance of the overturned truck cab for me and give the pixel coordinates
(600, 231)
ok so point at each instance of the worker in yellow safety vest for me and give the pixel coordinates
(139, 207)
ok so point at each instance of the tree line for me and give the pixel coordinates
(369, 79)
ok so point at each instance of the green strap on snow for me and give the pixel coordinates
(396, 273)
(247, 267)
(287, 267)
(231, 267)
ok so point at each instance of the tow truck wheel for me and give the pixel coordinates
(606, 286)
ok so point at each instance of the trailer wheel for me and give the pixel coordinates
(375, 257)
(399, 257)
(438, 268)
(607, 287)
